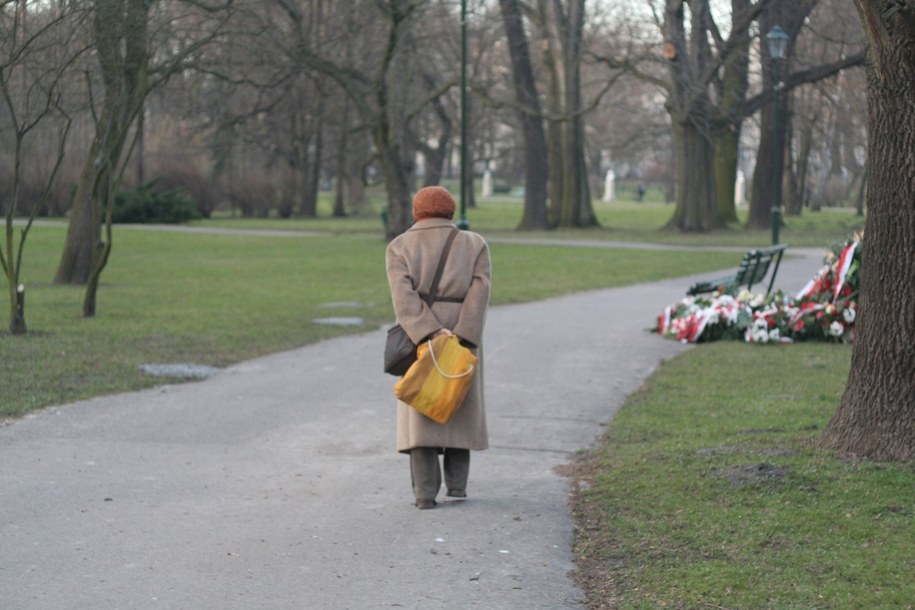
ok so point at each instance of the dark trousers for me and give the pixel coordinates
(427, 475)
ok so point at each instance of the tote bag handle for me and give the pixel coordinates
(443, 373)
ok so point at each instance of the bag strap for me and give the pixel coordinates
(443, 373)
(441, 268)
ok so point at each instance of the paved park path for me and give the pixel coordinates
(274, 483)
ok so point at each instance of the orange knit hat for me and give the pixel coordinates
(433, 202)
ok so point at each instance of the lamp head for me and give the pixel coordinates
(777, 41)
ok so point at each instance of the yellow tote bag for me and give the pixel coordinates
(436, 384)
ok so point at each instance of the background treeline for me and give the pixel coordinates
(257, 106)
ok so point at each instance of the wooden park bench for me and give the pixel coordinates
(752, 269)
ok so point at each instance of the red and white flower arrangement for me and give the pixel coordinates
(825, 309)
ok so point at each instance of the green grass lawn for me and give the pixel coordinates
(622, 221)
(212, 299)
(708, 491)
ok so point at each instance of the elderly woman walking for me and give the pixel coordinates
(458, 308)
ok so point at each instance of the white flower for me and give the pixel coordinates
(836, 329)
(774, 334)
(849, 314)
(744, 295)
(758, 300)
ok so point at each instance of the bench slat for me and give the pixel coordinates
(753, 268)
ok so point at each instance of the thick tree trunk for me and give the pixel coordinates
(435, 155)
(696, 207)
(727, 148)
(570, 195)
(397, 169)
(358, 154)
(342, 158)
(805, 145)
(435, 158)
(291, 169)
(734, 86)
(120, 29)
(769, 162)
(790, 179)
(876, 416)
(769, 172)
(311, 169)
(84, 228)
(535, 163)
(693, 117)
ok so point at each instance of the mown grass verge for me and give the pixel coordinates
(708, 492)
(170, 297)
(620, 221)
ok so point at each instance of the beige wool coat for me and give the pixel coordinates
(411, 260)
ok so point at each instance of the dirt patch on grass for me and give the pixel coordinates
(752, 474)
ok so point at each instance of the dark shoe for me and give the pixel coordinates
(457, 493)
(425, 503)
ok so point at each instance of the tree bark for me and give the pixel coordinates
(734, 84)
(697, 208)
(876, 415)
(805, 145)
(529, 113)
(693, 117)
(342, 172)
(380, 98)
(769, 171)
(311, 178)
(570, 194)
(83, 228)
(726, 158)
(435, 156)
(120, 34)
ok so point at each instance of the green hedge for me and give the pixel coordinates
(144, 204)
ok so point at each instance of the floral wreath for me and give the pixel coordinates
(825, 309)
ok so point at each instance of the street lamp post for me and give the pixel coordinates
(462, 222)
(777, 41)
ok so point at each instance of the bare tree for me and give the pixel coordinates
(121, 40)
(791, 16)
(382, 91)
(828, 118)
(562, 30)
(732, 91)
(706, 89)
(696, 52)
(529, 113)
(876, 415)
(120, 36)
(34, 62)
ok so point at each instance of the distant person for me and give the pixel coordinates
(642, 188)
(459, 309)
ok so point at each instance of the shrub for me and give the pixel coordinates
(191, 181)
(143, 204)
